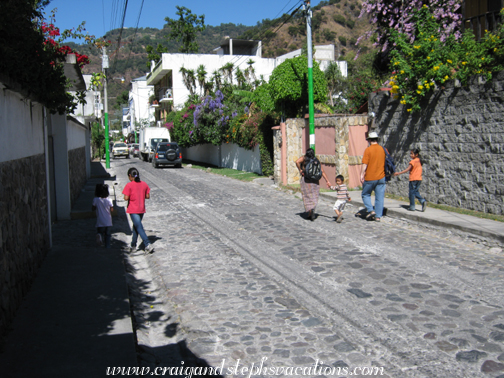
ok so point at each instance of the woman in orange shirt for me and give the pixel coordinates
(415, 179)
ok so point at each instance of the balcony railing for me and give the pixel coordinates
(482, 22)
(165, 94)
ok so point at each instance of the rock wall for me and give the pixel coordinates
(460, 133)
(77, 172)
(24, 230)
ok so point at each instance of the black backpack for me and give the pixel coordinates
(390, 167)
(313, 170)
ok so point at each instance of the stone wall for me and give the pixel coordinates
(77, 172)
(460, 133)
(24, 230)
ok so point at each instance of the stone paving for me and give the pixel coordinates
(239, 275)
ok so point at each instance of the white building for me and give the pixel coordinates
(168, 82)
(139, 113)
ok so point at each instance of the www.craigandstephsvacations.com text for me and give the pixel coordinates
(239, 369)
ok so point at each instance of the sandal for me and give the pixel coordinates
(377, 219)
(371, 215)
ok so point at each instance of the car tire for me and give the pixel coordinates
(178, 165)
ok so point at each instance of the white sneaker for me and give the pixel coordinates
(131, 249)
(149, 249)
(99, 240)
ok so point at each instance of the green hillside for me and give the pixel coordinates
(334, 22)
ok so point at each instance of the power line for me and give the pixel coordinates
(135, 33)
(120, 35)
(103, 14)
(292, 13)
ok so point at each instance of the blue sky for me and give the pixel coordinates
(104, 15)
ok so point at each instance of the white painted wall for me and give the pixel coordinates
(76, 134)
(236, 157)
(22, 126)
(88, 109)
(228, 155)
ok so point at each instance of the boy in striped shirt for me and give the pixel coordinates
(341, 198)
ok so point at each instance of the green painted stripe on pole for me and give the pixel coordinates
(107, 145)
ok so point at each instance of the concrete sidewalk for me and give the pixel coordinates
(75, 321)
(485, 228)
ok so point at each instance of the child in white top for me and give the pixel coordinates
(104, 207)
(341, 198)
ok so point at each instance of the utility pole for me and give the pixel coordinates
(105, 65)
(311, 109)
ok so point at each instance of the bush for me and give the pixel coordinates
(350, 23)
(429, 62)
(342, 40)
(279, 51)
(340, 19)
(329, 35)
(289, 85)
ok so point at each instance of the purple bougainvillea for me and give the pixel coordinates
(387, 15)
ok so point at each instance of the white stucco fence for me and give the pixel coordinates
(21, 122)
(228, 155)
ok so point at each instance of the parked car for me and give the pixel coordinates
(135, 150)
(167, 153)
(120, 149)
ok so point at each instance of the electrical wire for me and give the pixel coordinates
(114, 64)
(135, 33)
(292, 13)
(103, 16)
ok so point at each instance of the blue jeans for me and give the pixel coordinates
(138, 229)
(379, 188)
(413, 193)
(104, 232)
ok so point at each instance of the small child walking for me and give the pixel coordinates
(415, 179)
(341, 198)
(103, 207)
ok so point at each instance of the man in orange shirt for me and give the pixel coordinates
(373, 177)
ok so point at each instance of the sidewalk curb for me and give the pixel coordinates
(434, 222)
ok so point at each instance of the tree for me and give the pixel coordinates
(201, 76)
(97, 139)
(189, 79)
(33, 54)
(217, 79)
(289, 85)
(122, 99)
(186, 28)
(335, 81)
(227, 70)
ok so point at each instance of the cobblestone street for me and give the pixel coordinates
(239, 275)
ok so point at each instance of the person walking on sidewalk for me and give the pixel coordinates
(373, 177)
(415, 179)
(103, 207)
(136, 192)
(310, 188)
